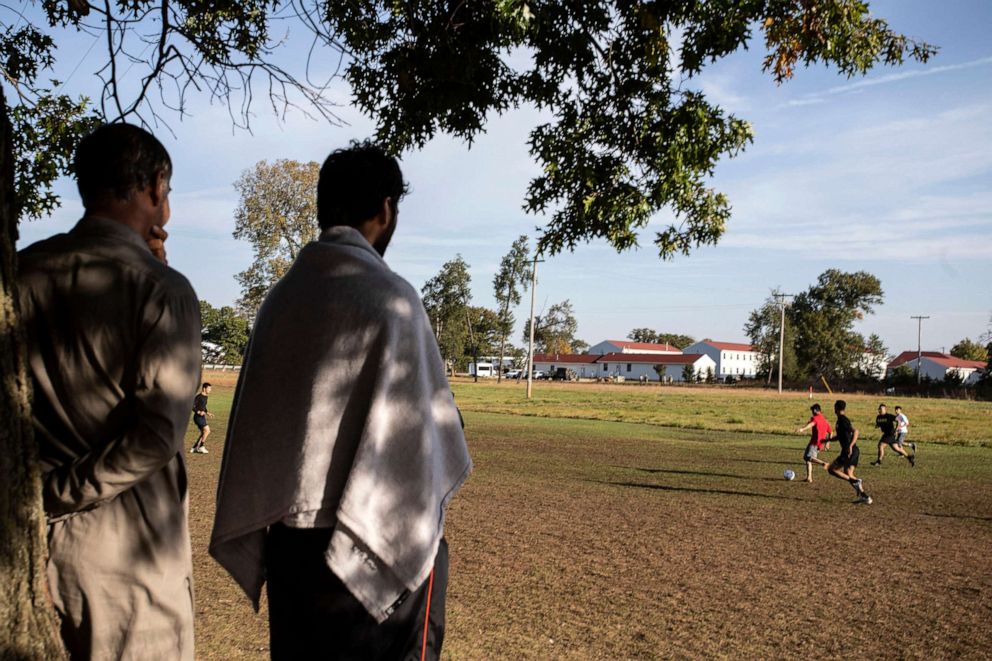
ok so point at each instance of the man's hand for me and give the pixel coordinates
(156, 242)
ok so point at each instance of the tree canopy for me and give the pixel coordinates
(277, 215)
(823, 317)
(554, 330)
(763, 330)
(654, 337)
(510, 280)
(970, 350)
(227, 330)
(447, 297)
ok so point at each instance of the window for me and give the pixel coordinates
(725, 355)
(606, 367)
(628, 367)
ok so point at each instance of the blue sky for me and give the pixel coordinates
(889, 173)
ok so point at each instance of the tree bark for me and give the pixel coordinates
(28, 624)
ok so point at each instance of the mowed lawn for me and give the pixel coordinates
(592, 539)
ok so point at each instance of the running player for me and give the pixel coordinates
(845, 463)
(200, 415)
(820, 431)
(902, 429)
(887, 423)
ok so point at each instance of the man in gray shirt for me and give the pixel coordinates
(114, 356)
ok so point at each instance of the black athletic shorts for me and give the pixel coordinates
(200, 421)
(844, 461)
(890, 439)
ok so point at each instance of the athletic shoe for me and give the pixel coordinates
(857, 486)
(866, 499)
(876, 463)
(192, 450)
(912, 460)
(204, 450)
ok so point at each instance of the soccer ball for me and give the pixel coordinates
(789, 475)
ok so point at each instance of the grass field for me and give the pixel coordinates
(581, 538)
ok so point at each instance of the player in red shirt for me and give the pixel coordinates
(817, 442)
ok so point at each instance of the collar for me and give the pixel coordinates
(105, 227)
(344, 235)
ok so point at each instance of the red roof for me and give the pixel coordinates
(651, 358)
(564, 358)
(729, 346)
(644, 346)
(941, 359)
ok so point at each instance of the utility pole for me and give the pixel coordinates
(530, 350)
(781, 337)
(919, 345)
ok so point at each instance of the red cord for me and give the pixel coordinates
(427, 616)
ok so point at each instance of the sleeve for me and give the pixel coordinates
(167, 368)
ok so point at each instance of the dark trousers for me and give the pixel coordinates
(312, 615)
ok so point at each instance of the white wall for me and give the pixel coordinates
(727, 362)
(619, 368)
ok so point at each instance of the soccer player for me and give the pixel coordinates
(902, 429)
(887, 423)
(200, 415)
(843, 466)
(820, 431)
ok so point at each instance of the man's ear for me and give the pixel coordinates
(386, 215)
(159, 188)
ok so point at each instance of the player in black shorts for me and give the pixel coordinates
(843, 466)
(200, 415)
(887, 423)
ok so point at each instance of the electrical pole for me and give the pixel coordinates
(919, 345)
(781, 337)
(530, 350)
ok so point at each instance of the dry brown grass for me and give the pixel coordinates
(579, 539)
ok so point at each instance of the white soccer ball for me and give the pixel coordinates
(789, 475)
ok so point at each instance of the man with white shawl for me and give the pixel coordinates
(344, 446)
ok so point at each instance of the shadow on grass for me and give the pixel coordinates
(720, 492)
(958, 516)
(674, 471)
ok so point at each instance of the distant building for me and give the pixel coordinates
(732, 359)
(582, 363)
(623, 346)
(937, 366)
(635, 365)
(873, 364)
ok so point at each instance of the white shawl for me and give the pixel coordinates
(342, 418)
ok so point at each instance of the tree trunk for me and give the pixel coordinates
(502, 344)
(28, 624)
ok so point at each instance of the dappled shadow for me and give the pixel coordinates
(675, 471)
(720, 492)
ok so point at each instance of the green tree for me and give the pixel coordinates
(226, 329)
(655, 337)
(710, 376)
(762, 328)
(446, 298)
(874, 358)
(484, 332)
(645, 335)
(277, 215)
(689, 373)
(969, 350)
(508, 283)
(554, 331)
(626, 138)
(823, 317)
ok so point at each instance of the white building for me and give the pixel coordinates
(731, 358)
(582, 363)
(635, 365)
(874, 364)
(937, 366)
(623, 346)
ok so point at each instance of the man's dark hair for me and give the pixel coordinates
(882, 406)
(898, 408)
(815, 408)
(118, 160)
(205, 385)
(354, 182)
(840, 405)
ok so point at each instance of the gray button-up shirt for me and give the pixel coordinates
(114, 356)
